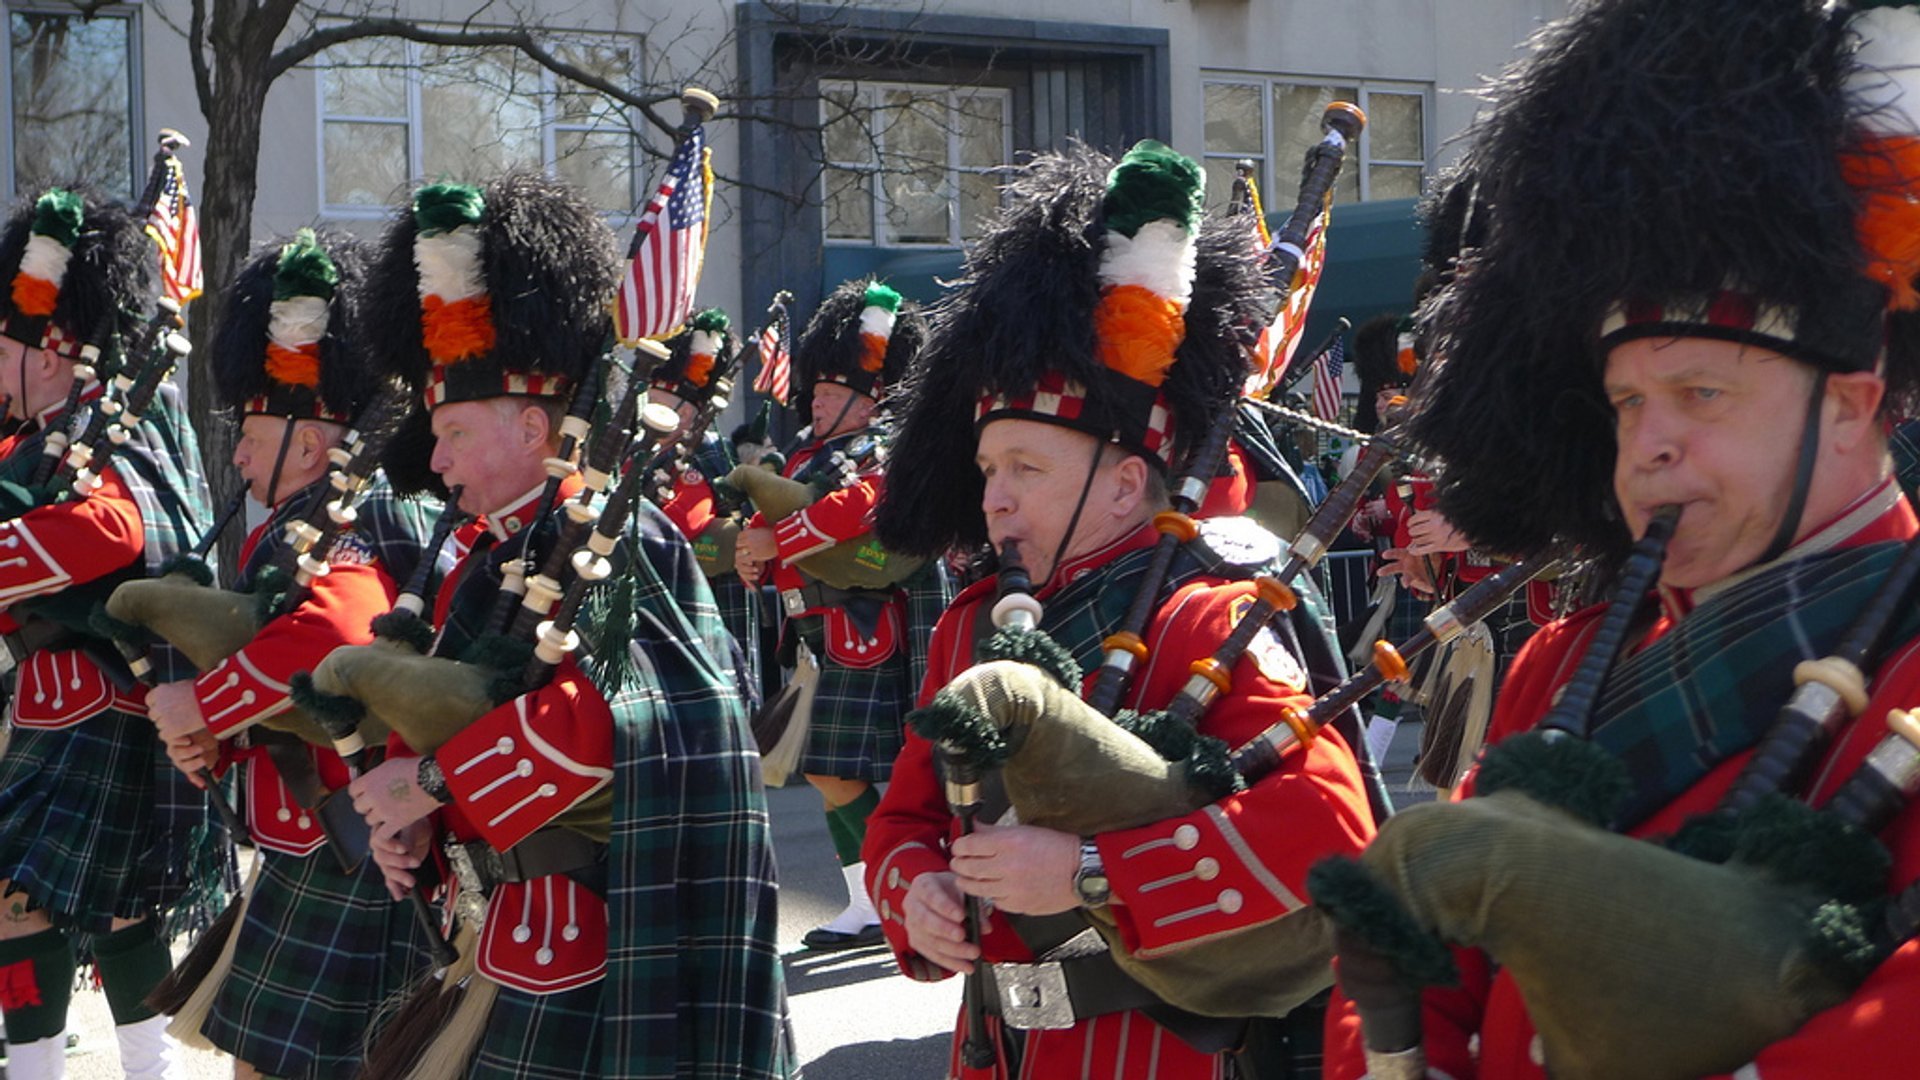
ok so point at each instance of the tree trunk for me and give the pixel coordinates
(226, 226)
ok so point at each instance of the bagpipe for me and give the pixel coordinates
(1639, 958)
(1081, 767)
(714, 547)
(856, 563)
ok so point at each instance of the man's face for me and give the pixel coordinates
(1035, 473)
(1713, 426)
(11, 353)
(482, 446)
(255, 453)
(837, 409)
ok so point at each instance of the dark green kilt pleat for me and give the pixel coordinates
(854, 731)
(541, 1036)
(740, 613)
(75, 817)
(321, 952)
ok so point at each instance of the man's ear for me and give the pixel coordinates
(535, 429)
(1129, 484)
(1853, 407)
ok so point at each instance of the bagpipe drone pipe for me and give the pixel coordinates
(1639, 958)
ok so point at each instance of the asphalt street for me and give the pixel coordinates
(854, 1016)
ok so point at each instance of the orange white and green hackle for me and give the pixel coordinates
(57, 218)
(304, 281)
(1885, 169)
(1151, 214)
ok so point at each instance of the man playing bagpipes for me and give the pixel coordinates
(1695, 293)
(604, 823)
(708, 511)
(319, 948)
(99, 836)
(869, 642)
(1095, 336)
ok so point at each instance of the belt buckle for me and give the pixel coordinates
(470, 898)
(795, 603)
(1034, 996)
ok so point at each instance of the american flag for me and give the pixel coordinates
(175, 228)
(1326, 380)
(669, 246)
(1281, 340)
(775, 362)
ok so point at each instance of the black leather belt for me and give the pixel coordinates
(815, 595)
(547, 852)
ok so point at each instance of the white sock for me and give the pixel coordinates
(41, 1059)
(859, 913)
(147, 1052)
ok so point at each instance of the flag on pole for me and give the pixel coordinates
(669, 246)
(175, 228)
(775, 361)
(1281, 340)
(1327, 368)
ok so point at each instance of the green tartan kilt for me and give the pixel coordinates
(855, 728)
(541, 1036)
(76, 820)
(740, 613)
(321, 952)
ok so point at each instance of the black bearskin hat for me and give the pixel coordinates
(289, 341)
(76, 267)
(863, 335)
(700, 360)
(1032, 329)
(1377, 358)
(1666, 167)
(482, 292)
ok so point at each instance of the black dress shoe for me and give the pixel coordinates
(821, 939)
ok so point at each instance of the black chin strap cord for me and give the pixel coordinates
(279, 460)
(1803, 472)
(1080, 504)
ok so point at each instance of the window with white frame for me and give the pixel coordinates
(912, 163)
(1274, 120)
(397, 113)
(73, 99)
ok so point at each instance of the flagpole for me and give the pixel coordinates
(697, 107)
(767, 380)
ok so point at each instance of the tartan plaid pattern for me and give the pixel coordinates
(739, 608)
(394, 530)
(1905, 443)
(856, 727)
(1711, 687)
(76, 804)
(75, 817)
(320, 952)
(541, 1036)
(694, 986)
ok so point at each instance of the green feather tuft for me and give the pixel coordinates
(712, 320)
(507, 658)
(440, 208)
(329, 710)
(192, 567)
(1036, 647)
(58, 215)
(1841, 942)
(305, 269)
(1210, 768)
(1153, 182)
(1799, 845)
(963, 733)
(1557, 770)
(113, 629)
(1169, 738)
(612, 658)
(406, 628)
(1368, 914)
(882, 296)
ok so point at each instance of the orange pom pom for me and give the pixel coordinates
(1136, 331)
(294, 367)
(456, 331)
(34, 296)
(1886, 172)
(699, 368)
(873, 352)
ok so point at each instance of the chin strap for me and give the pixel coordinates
(1803, 472)
(279, 460)
(1080, 504)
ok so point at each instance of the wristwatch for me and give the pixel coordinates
(1090, 883)
(432, 780)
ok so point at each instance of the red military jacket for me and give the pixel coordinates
(837, 516)
(253, 685)
(1235, 864)
(1481, 1028)
(511, 772)
(46, 550)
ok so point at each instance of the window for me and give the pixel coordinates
(912, 164)
(1274, 121)
(73, 104)
(396, 113)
